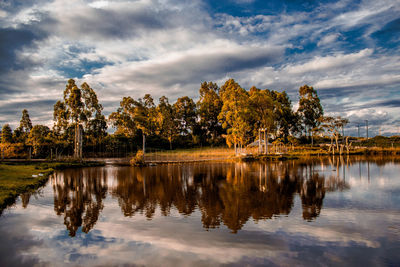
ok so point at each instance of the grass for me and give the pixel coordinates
(16, 177)
(216, 154)
(208, 153)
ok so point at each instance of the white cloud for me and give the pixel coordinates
(169, 47)
(328, 62)
(329, 39)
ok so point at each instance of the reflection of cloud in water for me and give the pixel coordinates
(271, 208)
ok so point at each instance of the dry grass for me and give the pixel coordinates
(190, 154)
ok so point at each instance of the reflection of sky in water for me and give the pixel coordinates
(358, 225)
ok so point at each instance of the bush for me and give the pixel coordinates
(12, 150)
(138, 159)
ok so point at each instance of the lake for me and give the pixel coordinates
(328, 211)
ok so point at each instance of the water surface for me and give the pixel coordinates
(331, 211)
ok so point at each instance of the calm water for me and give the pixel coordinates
(324, 212)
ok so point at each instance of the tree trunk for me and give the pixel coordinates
(235, 148)
(312, 139)
(144, 144)
(259, 141)
(78, 141)
(337, 141)
(265, 142)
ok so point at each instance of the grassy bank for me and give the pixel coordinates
(20, 177)
(250, 154)
(207, 153)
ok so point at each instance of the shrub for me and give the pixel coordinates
(138, 159)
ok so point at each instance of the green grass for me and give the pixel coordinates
(17, 179)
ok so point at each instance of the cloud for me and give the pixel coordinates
(168, 47)
(177, 69)
(328, 62)
(13, 41)
(329, 39)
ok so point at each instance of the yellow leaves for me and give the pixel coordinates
(13, 150)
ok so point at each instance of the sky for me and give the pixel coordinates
(348, 50)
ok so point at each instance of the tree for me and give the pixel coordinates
(97, 129)
(167, 120)
(61, 118)
(144, 115)
(209, 106)
(123, 119)
(235, 113)
(136, 114)
(263, 107)
(25, 124)
(77, 110)
(332, 126)
(6, 134)
(38, 138)
(185, 111)
(287, 121)
(310, 108)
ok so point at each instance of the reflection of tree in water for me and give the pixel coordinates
(228, 194)
(312, 193)
(78, 195)
(224, 193)
(25, 199)
(140, 190)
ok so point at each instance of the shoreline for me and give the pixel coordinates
(24, 175)
(19, 177)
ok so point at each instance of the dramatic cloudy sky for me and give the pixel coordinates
(348, 50)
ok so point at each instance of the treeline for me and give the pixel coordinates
(229, 114)
(223, 115)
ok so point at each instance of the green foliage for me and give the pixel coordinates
(287, 120)
(123, 119)
(229, 113)
(25, 125)
(167, 123)
(235, 113)
(185, 110)
(264, 109)
(331, 126)
(310, 108)
(39, 138)
(381, 141)
(61, 118)
(6, 134)
(80, 107)
(209, 107)
(73, 101)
